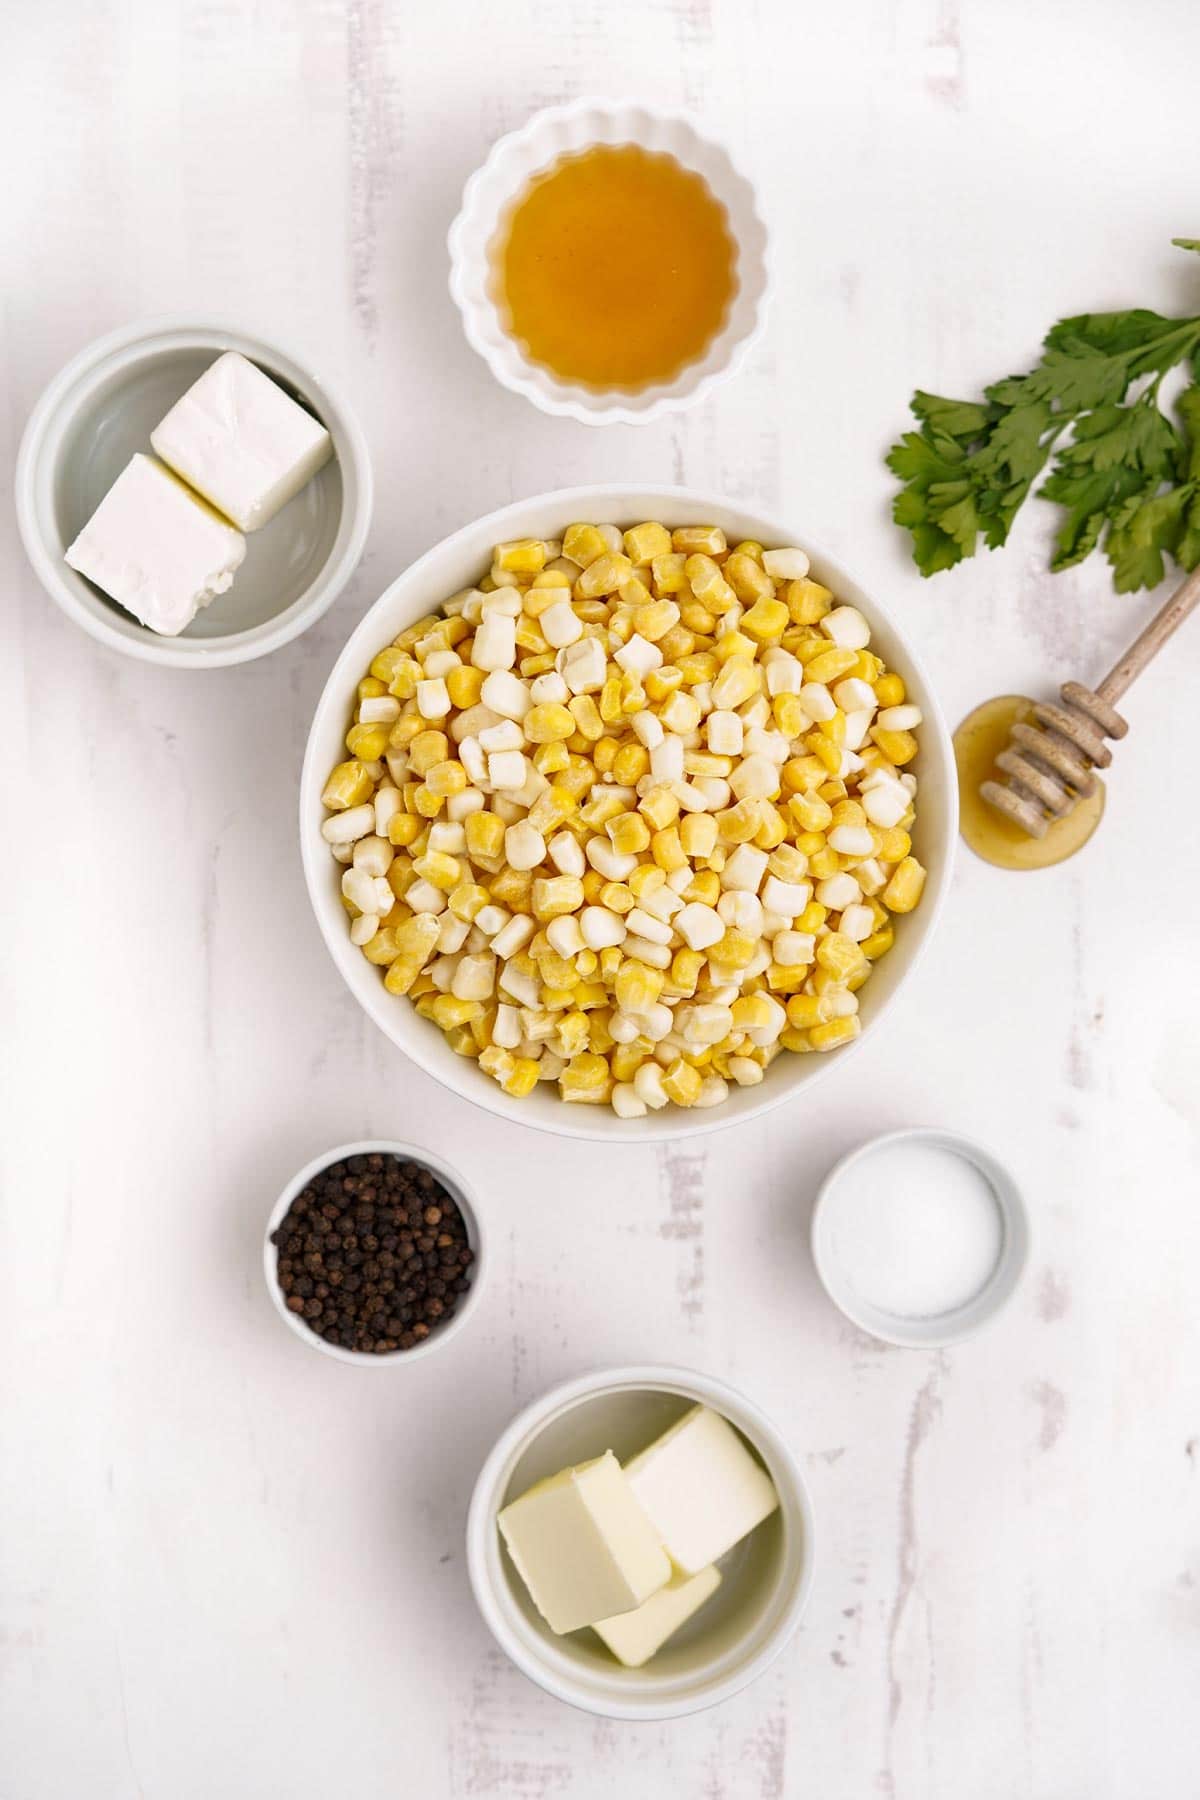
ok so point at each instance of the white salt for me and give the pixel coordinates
(916, 1228)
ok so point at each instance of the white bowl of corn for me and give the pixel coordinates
(614, 805)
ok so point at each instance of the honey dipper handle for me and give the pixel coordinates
(1167, 620)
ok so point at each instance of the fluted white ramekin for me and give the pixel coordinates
(504, 177)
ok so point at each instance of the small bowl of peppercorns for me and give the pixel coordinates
(374, 1253)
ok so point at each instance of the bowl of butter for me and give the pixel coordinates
(192, 495)
(640, 1542)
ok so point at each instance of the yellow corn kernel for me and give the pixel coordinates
(786, 978)
(485, 834)
(734, 644)
(798, 1042)
(738, 824)
(604, 755)
(738, 682)
(633, 695)
(582, 544)
(540, 664)
(523, 556)
(838, 1031)
(448, 1012)
(497, 1063)
(586, 1078)
(904, 889)
(572, 1033)
(698, 666)
(698, 834)
(696, 618)
(772, 827)
(812, 918)
(618, 898)
(521, 1078)
(878, 944)
(417, 938)
(593, 887)
(610, 700)
(824, 864)
(788, 863)
(551, 809)
(467, 899)
(512, 888)
(848, 812)
(655, 619)
(555, 970)
(807, 601)
(548, 724)
(647, 878)
(868, 667)
(598, 811)
(752, 1012)
(400, 876)
(557, 999)
(529, 638)
(439, 868)
(600, 1038)
(667, 850)
(427, 749)
(890, 690)
(659, 807)
(555, 895)
(426, 803)
(682, 1082)
(806, 1010)
(381, 950)
(708, 584)
(766, 620)
(631, 762)
(384, 665)
(830, 665)
(803, 774)
(661, 682)
(790, 715)
(748, 579)
(367, 742)
(551, 759)
(628, 833)
(838, 954)
(898, 746)
(349, 785)
(404, 682)
(464, 685)
(668, 573)
(586, 714)
(627, 1059)
(369, 688)
(707, 540)
(603, 576)
(590, 994)
(734, 950)
(609, 961)
(538, 597)
(676, 644)
(404, 828)
(704, 886)
(644, 542)
(461, 1039)
(893, 845)
(401, 974)
(446, 778)
(827, 752)
(637, 987)
(481, 1028)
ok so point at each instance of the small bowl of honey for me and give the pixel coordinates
(609, 262)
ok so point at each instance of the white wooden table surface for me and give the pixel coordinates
(231, 1570)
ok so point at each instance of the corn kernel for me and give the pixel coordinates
(523, 556)
(734, 950)
(585, 1078)
(705, 887)
(644, 542)
(660, 808)
(682, 1083)
(893, 845)
(404, 828)
(748, 579)
(631, 762)
(582, 544)
(906, 886)
(348, 785)
(707, 540)
(890, 691)
(646, 879)
(556, 894)
(698, 834)
(548, 724)
(837, 1031)
(807, 601)
(766, 620)
(467, 899)
(898, 746)
(464, 686)
(586, 714)
(637, 986)
(628, 833)
(878, 944)
(485, 834)
(551, 759)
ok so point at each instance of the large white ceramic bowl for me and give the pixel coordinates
(765, 1579)
(101, 408)
(457, 562)
(476, 236)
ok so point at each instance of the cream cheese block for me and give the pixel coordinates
(239, 440)
(583, 1546)
(156, 549)
(701, 1488)
(634, 1637)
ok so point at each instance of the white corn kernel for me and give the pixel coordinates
(583, 666)
(506, 694)
(459, 807)
(474, 978)
(347, 827)
(713, 1090)
(645, 925)
(786, 897)
(518, 986)
(853, 694)
(561, 625)
(744, 1070)
(506, 1030)
(755, 778)
(601, 929)
(851, 840)
(741, 911)
(492, 918)
(655, 956)
(785, 565)
(524, 846)
(447, 836)
(423, 897)
(648, 1086)
(387, 804)
(379, 711)
(647, 729)
(870, 875)
(847, 627)
(705, 1024)
(549, 689)
(817, 701)
(564, 935)
(609, 862)
(453, 933)
(495, 645)
(857, 922)
(785, 673)
(858, 724)
(663, 902)
(374, 854)
(838, 891)
(359, 889)
(656, 1024)
(723, 731)
(566, 853)
(433, 700)
(507, 735)
(363, 929)
(700, 926)
(514, 936)
(744, 869)
(900, 718)
(627, 1103)
(638, 656)
(791, 948)
(507, 770)
(473, 759)
(886, 803)
(666, 760)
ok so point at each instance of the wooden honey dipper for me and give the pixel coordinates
(1049, 764)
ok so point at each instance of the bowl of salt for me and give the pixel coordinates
(920, 1237)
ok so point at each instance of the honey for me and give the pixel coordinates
(980, 738)
(618, 268)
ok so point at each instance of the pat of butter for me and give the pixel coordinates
(634, 1637)
(243, 443)
(701, 1488)
(156, 549)
(583, 1546)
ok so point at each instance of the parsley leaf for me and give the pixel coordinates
(1127, 477)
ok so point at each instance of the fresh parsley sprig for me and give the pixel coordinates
(1127, 475)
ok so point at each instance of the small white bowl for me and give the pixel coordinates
(457, 562)
(467, 1205)
(495, 187)
(102, 408)
(938, 1330)
(766, 1578)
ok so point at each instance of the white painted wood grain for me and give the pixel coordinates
(230, 1569)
